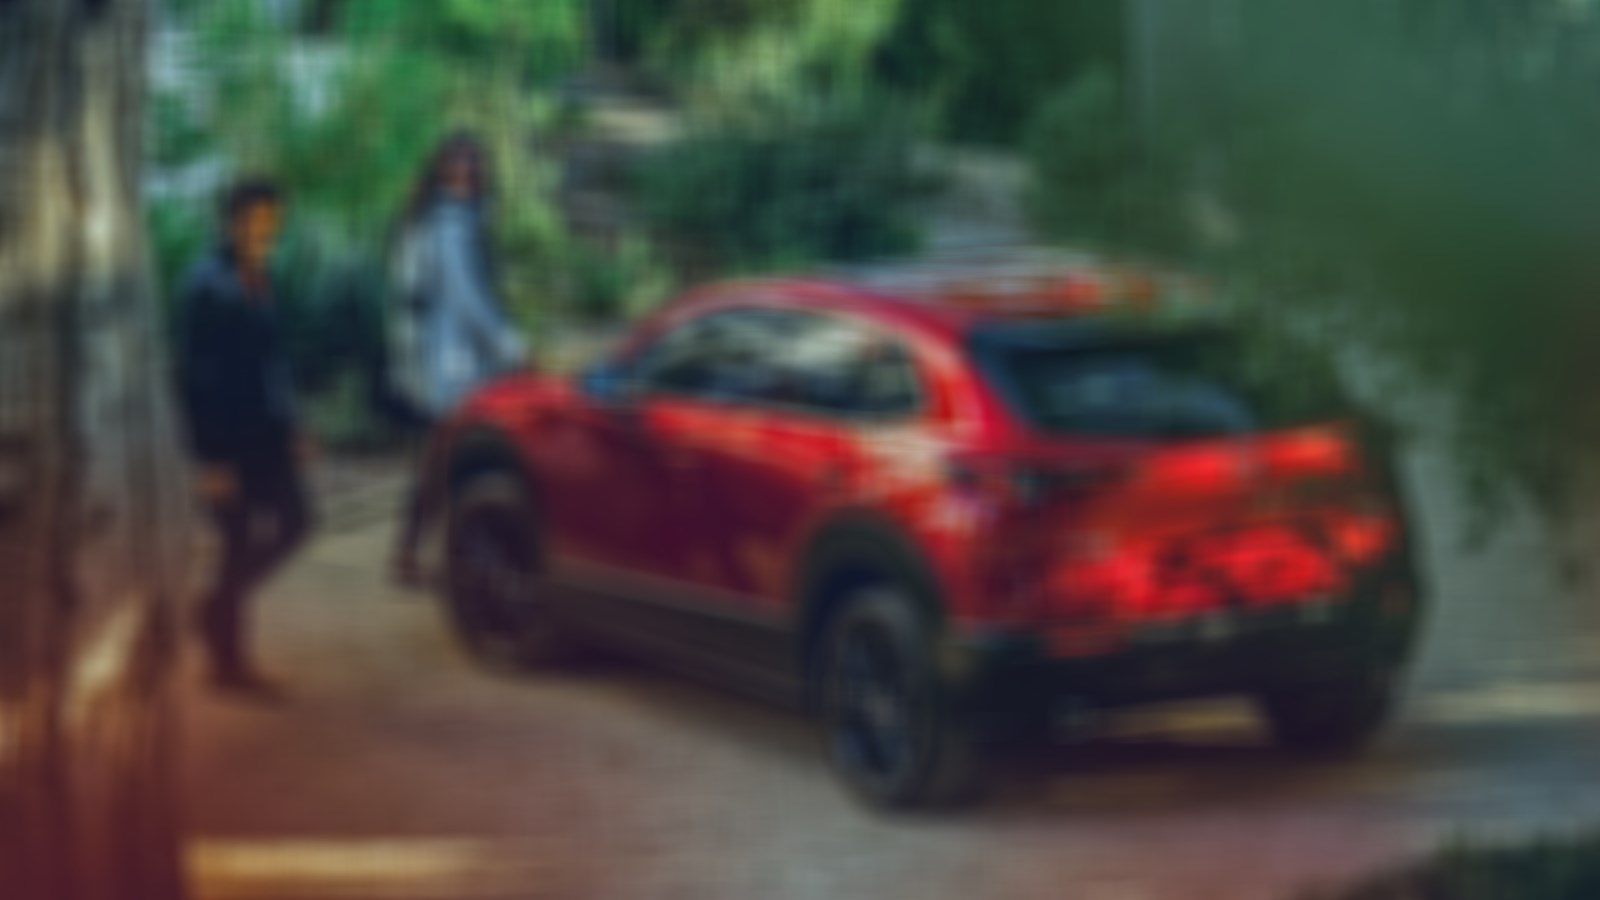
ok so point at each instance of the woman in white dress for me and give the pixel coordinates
(449, 332)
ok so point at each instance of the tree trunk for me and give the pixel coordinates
(92, 532)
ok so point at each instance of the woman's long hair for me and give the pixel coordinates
(430, 182)
(429, 189)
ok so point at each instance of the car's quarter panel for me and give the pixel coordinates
(903, 474)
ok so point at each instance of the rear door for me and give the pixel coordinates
(668, 586)
(788, 447)
(697, 410)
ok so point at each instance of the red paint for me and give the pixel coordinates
(1066, 535)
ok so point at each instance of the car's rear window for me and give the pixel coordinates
(1168, 387)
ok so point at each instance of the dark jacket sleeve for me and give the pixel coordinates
(203, 368)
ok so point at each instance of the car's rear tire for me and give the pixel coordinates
(895, 730)
(1330, 718)
(494, 590)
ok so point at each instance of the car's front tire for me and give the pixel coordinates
(896, 731)
(495, 593)
(1331, 718)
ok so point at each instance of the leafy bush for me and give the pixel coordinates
(533, 41)
(1417, 175)
(178, 233)
(791, 185)
(634, 26)
(994, 65)
(1095, 179)
(606, 285)
(343, 417)
(331, 305)
(741, 54)
(989, 66)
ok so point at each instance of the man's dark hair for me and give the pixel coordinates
(247, 193)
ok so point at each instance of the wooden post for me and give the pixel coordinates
(91, 524)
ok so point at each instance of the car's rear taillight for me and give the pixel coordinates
(1105, 575)
(1196, 470)
(1160, 580)
(1130, 583)
(1266, 566)
(1309, 453)
(1362, 539)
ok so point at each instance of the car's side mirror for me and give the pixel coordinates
(607, 385)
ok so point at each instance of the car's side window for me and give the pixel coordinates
(888, 381)
(721, 355)
(789, 359)
(834, 366)
(675, 360)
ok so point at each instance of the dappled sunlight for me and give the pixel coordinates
(410, 868)
(1512, 702)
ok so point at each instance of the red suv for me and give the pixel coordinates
(941, 505)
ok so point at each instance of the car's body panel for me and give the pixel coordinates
(692, 525)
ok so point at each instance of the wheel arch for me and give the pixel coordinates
(482, 450)
(479, 450)
(852, 550)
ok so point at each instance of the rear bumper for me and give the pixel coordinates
(1014, 677)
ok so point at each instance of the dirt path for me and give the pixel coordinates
(398, 771)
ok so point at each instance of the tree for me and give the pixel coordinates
(1422, 171)
(1413, 178)
(91, 529)
(992, 65)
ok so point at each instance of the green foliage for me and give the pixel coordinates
(994, 64)
(792, 185)
(347, 161)
(331, 302)
(355, 164)
(634, 25)
(747, 54)
(1410, 176)
(1095, 179)
(990, 65)
(477, 64)
(345, 125)
(176, 137)
(344, 418)
(532, 41)
(606, 285)
(1417, 174)
(1544, 870)
(178, 233)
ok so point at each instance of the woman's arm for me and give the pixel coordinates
(481, 315)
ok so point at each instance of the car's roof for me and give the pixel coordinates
(967, 290)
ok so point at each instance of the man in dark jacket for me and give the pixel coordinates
(237, 393)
